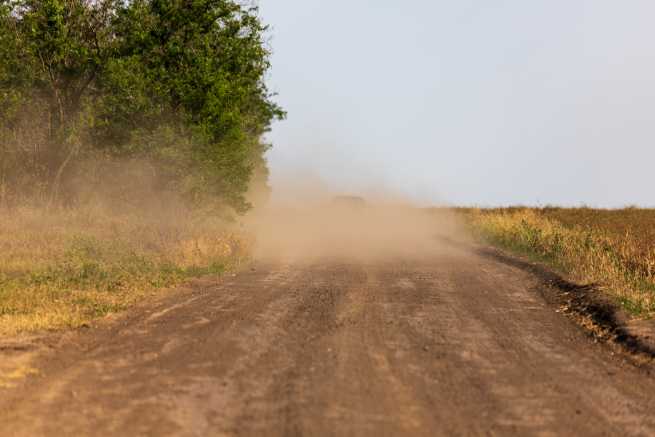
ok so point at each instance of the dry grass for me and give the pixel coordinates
(64, 269)
(612, 248)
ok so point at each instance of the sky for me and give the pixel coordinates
(468, 102)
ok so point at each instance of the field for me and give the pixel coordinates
(63, 269)
(612, 249)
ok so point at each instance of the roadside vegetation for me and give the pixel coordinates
(62, 270)
(614, 249)
(131, 136)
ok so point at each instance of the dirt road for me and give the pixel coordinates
(453, 344)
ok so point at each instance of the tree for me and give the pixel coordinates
(57, 48)
(179, 82)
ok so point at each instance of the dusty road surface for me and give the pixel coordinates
(450, 344)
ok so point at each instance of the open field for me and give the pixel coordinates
(613, 249)
(62, 269)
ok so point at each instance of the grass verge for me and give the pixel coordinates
(590, 252)
(63, 269)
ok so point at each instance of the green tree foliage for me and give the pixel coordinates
(179, 83)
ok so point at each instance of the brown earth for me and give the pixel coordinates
(454, 343)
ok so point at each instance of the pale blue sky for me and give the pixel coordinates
(469, 101)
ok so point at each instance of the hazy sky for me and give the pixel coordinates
(473, 102)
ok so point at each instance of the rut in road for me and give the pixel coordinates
(448, 344)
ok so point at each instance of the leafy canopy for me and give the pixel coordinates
(177, 82)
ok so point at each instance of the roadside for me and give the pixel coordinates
(601, 279)
(63, 269)
(591, 308)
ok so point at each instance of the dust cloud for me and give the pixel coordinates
(322, 225)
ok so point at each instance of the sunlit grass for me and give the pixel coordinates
(591, 246)
(63, 269)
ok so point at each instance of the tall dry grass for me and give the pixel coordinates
(622, 264)
(62, 269)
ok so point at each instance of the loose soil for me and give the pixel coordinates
(454, 343)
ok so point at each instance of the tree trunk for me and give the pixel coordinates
(56, 182)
